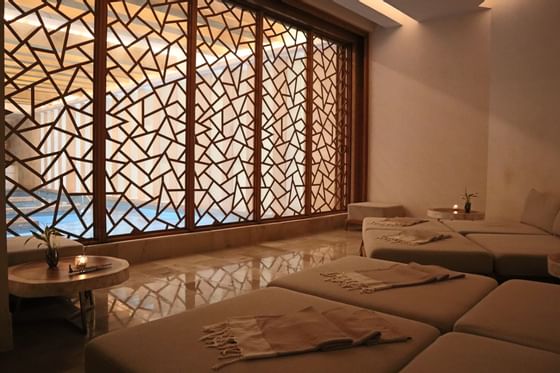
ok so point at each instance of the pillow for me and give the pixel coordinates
(540, 210)
(556, 225)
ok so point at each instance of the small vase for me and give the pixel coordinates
(467, 207)
(51, 255)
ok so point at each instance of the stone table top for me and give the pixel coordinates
(35, 279)
(454, 214)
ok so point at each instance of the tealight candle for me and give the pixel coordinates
(455, 207)
(80, 262)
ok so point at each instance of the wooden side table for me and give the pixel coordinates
(35, 279)
(454, 214)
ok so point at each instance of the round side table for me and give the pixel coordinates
(454, 214)
(35, 279)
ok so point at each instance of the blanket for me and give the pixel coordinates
(397, 222)
(395, 276)
(414, 237)
(306, 330)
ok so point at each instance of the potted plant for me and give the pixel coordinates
(46, 237)
(467, 198)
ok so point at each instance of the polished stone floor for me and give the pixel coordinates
(46, 342)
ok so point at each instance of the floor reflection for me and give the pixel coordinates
(162, 288)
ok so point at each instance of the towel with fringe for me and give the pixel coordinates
(397, 222)
(395, 276)
(307, 330)
(414, 237)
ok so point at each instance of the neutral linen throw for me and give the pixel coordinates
(397, 222)
(307, 330)
(396, 276)
(415, 237)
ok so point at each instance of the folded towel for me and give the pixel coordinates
(397, 222)
(396, 276)
(414, 237)
(307, 330)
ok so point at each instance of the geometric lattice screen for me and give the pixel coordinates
(181, 123)
(283, 120)
(328, 140)
(146, 115)
(225, 104)
(48, 59)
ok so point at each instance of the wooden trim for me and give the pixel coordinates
(257, 148)
(309, 124)
(191, 117)
(99, 127)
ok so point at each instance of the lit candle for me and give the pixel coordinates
(80, 262)
(455, 207)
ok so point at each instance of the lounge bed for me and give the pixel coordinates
(373, 223)
(456, 253)
(172, 345)
(482, 226)
(439, 304)
(519, 311)
(465, 353)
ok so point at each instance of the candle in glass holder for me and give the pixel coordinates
(80, 262)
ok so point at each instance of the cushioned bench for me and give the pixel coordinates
(429, 224)
(481, 226)
(438, 304)
(519, 255)
(172, 345)
(464, 353)
(523, 312)
(456, 253)
(20, 252)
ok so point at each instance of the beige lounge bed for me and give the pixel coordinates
(465, 353)
(523, 312)
(519, 255)
(171, 344)
(481, 226)
(456, 253)
(381, 223)
(439, 304)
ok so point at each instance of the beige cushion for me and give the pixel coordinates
(519, 255)
(540, 210)
(360, 210)
(20, 252)
(483, 226)
(465, 353)
(439, 304)
(172, 345)
(523, 312)
(556, 225)
(430, 225)
(456, 253)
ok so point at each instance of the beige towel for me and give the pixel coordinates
(414, 237)
(396, 276)
(307, 330)
(397, 222)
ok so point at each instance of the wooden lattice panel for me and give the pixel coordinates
(283, 120)
(146, 115)
(328, 171)
(48, 52)
(224, 124)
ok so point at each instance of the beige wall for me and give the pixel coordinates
(429, 112)
(524, 137)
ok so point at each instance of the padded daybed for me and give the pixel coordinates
(172, 345)
(456, 253)
(439, 304)
(373, 223)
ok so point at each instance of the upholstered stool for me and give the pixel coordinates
(438, 304)
(523, 312)
(21, 252)
(360, 210)
(465, 353)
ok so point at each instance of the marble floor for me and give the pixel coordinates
(46, 342)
